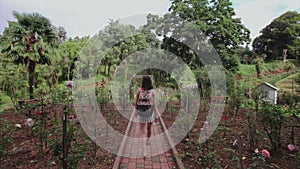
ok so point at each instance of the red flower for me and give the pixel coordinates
(38, 112)
(72, 117)
(143, 88)
(265, 153)
(225, 118)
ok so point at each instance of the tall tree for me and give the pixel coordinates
(28, 41)
(121, 40)
(68, 52)
(217, 20)
(282, 34)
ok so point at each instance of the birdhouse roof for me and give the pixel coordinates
(269, 85)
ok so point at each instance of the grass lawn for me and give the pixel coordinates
(272, 79)
(288, 84)
(249, 70)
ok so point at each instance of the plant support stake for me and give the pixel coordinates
(65, 148)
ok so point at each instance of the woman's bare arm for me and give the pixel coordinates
(136, 100)
(157, 114)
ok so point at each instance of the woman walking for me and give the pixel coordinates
(146, 107)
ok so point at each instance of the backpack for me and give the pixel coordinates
(144, 103)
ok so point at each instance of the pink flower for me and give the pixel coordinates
(256, 151)
(291, 147)
(29, 122)
(70, 84)
(265, 153)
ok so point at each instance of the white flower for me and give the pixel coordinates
(29, 122)
(18, 125)
(235, 142)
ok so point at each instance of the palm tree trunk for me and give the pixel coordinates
(31, 78)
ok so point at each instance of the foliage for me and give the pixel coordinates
(13, 81)
(281, 33)
(217, 20)
(5, 128)
(238, 96)
(246, 56)
(273, 118)
(28, 41)
(258, 66)
(298, 79)
(267, 67)
(5, 102)
(109, 47)
(64, 58)
(103, 96)
(259, 161)
(246, 70)
(288, 99)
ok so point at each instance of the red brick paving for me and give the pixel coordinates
(137, 154)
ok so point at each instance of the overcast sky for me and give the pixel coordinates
(86, 17)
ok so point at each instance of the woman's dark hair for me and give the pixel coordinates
(147, 83)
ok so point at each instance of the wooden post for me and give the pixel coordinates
(65, 139)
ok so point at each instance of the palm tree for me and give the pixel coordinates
(27, 41)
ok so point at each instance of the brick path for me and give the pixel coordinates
(136, 154)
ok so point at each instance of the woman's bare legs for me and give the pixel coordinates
(142, 135)
(148, 131)
(142, 129)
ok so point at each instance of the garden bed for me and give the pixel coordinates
(23, 150)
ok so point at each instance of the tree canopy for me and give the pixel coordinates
(282, 33)
(28, 41)
(218, 21)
